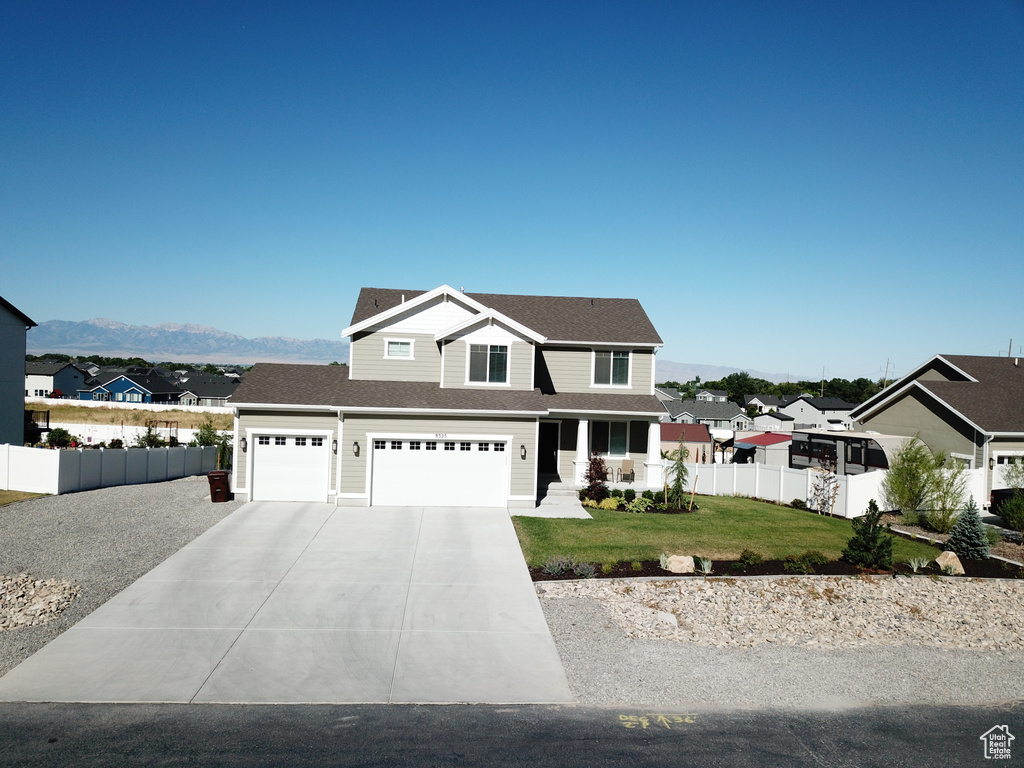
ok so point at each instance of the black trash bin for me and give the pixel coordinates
(220, 490)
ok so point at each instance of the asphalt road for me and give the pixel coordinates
(567, 737)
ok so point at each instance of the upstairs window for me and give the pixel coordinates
(398, 349)
(488, 363)
(611, 368)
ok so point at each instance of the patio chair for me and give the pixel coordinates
(626, 473)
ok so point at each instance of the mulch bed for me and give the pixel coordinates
(984, 569)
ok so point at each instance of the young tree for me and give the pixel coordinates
(871, 544)
(906, 486)
(968, 537)
(149, 439)
(58, 437)
(947, 488)
(595, 478)
(677, 490)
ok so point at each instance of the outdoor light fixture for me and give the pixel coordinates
(355, 448)
(522, 452)
(334, 446)
(243, 444)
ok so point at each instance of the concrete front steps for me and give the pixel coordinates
(557, 499)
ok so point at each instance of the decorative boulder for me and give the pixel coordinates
(680, 564)
(949, 562)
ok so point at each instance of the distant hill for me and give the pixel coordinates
(667, 370)
(178, 343)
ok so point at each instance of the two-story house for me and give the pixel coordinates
(14, 324)
(811, 412)
(52, 378)
(454, 399)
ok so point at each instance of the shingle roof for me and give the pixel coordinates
(702, 409)
(558, 318)
(994, 401)
(826, 403)
(693, 433)
(44, 367)
(329, 386)
(775, 415)
(768, 438)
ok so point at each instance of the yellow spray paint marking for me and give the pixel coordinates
(663, 721)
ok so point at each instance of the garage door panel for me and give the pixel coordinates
(286, 470)
(439, 478)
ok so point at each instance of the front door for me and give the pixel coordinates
(547, 457)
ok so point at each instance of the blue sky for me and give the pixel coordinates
(786, 187)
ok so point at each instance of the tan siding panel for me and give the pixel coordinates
(571, 371)
(909, 416)
(368, 360)
(520, 366)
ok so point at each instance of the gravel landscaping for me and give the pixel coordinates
(99, 542)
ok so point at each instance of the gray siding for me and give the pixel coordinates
(570, 371)
(356, 427)
(271, 420)
(368, 359)
(939, 429)
(12, 379)
(520, 366)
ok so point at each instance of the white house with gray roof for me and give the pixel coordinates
(455, 399)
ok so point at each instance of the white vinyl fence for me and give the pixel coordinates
(38, 470)
(782, 484)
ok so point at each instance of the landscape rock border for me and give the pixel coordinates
(28, 602)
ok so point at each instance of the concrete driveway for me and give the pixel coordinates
(309, 603)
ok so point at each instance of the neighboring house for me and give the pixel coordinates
(767, 448)
(695, 437)
(453, 399)
(14, 324)
(207, 389)
(774, 421)
(853, 453)
(811, 412)
(131, 385)
(971, 407)
(711, 414)
(762, 403)
(712, 396)
(667, 393)
(52, 378)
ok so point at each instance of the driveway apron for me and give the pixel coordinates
(311, 603)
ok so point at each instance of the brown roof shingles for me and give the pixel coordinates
(329, 386)
(558, 318)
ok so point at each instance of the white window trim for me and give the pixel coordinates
(629, 370)
(508, 365)
(412, 348)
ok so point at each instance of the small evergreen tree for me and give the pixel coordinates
(871, 544)
(595, 477)
(58, 438)
(680, 474)
(968, 537)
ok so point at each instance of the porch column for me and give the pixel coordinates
(654, 469)
(582, 460)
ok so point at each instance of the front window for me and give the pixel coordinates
(611, 368)
(488, 363)
(609, 438)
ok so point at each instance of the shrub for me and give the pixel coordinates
(556, 566)
(910, 518)
(968, 539)
(636, 565)
(116, 443)
(798, 504)
(993, 535)
(749, 557)
(948, 486)
(585, 570)
(629, 494)
(589, 503)
(659, 497)
(793, 564)
(907, 483)
(648, 494)
(595, 475)
(871, 545)
(607, 568)
(814, 557)
(615, 493)
(1012, 512)
(610, 503)
(58, 438)
(639, 505)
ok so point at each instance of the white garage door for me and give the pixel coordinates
(290, 468)
(440, 473)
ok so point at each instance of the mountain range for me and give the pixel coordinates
(188, 343)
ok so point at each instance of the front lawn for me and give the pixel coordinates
(721, 530)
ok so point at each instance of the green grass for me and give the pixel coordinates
(9, 497)
(723, 528)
